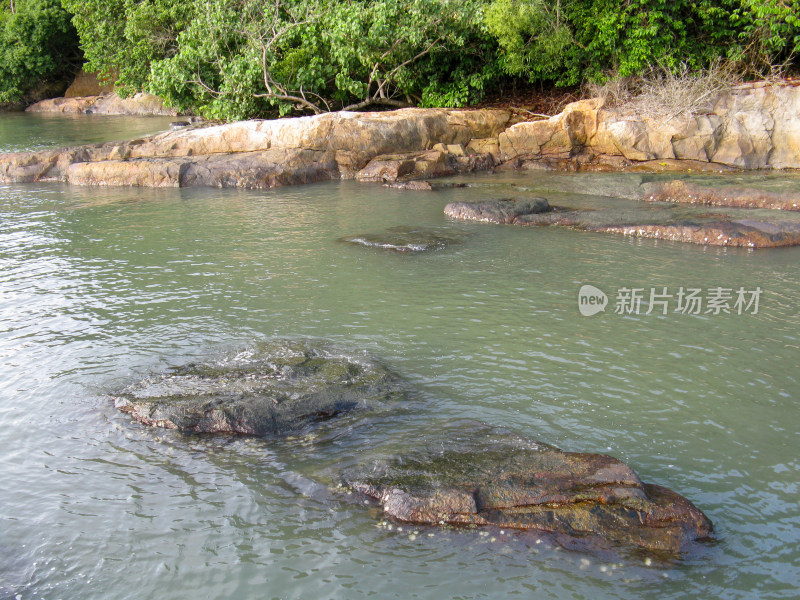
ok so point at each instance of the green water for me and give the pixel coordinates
(100, 287)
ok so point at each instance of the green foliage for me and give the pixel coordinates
(571, 41)
(37, 43)
(121, 38)
(232, 59)
(771, 30)
(245, 57)
(534, 36)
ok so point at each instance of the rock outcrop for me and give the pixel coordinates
(87, 84)
(273, 389)
(475, 475)
(755, 126)
(105, 104)
(260, 154)
(750, 127)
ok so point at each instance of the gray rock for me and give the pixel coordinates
(272, 389)
(408, 239)
(506, 210)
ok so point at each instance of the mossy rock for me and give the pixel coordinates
(271, 389)
(476, 475)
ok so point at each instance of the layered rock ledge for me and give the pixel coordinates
(751, 127)
(688, 193)
(476, 475)
(262, 154)
(690, 225)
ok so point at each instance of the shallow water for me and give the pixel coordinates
(100, 287)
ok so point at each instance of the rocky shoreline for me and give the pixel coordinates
(105, 104)
(750, 127)
(745, 128)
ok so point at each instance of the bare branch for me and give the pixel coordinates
(376, 102)
(290, 98)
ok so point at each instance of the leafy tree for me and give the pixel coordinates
(571, 41)
(37, 43)
(233, 59)
(121, 38)
(770, 31)
(245, 57)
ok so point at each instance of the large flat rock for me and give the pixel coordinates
(691, 225)
(475, 475)
(271, 389)
(283, 151)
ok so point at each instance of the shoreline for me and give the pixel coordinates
(744, 129)
(749, 127)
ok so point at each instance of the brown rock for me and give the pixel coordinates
(252, 170)
(394, 167)
(476, 475)
(344, 142)
(688, 193)
(744, 233)
(87, 84)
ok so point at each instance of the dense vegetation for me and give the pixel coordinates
(38, 44)
(237, 58)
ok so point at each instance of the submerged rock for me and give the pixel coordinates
(409, 239)
(742, 233)
(414, 185)
(506, 210)
(272, 389)
(688, 193)
(482, 476)
(686, 224)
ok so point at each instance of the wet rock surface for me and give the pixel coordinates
(414, 186)
(741, 233)
(688, 193)
(705, 229)
(614, 204)
(505, 210)
(405, 240)
(475, 475)
(271, 389)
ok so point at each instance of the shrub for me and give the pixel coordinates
(37, 43)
